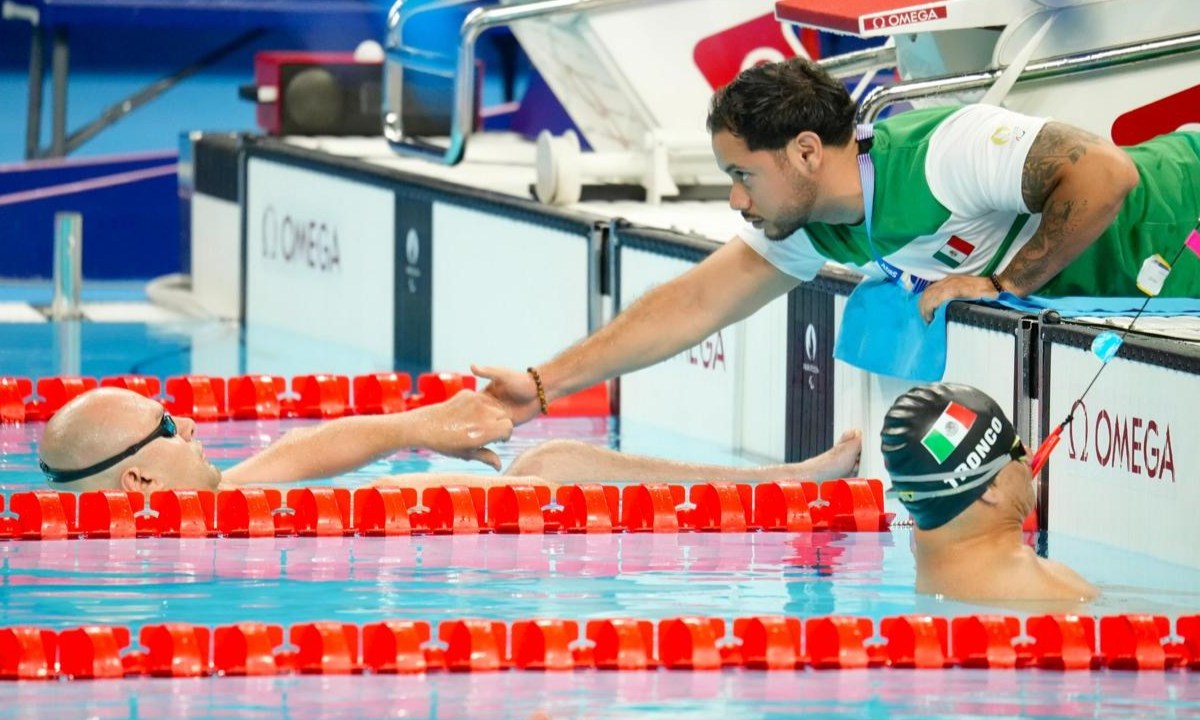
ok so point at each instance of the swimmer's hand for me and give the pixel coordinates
(955, 287)
(515, 389)
(461, 426)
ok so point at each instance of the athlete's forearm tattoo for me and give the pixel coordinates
(1056, 145)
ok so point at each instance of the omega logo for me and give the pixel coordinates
(1141, 446)
(295, 241)
(906, 17)
(709, 355)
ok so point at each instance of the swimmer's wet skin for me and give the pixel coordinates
(112, 438)
(956, 464)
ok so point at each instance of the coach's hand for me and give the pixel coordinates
(515, 389)
(955, 287)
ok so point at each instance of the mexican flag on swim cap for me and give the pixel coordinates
(948, 431)
(935, 431)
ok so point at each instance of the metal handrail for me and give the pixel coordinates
(463, 111)
(398, 14)
(860, 61)
(1061, 66)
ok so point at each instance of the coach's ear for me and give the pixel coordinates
(805, 151)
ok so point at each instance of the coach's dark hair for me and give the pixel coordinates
(768, 105)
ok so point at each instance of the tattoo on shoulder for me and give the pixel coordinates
(1056, 145)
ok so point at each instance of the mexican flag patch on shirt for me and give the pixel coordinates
(954, 252)
(949, 430)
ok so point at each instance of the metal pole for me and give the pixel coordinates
(37, 74)
(60, 55)
(68, 336)
(68, 265)
(1062, 66)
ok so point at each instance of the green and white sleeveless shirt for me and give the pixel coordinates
(947, 199)
(948, 202)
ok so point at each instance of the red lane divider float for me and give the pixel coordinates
(145, 385)
(18, 403)
(400, 646)
(986, 641)
(14, 394)
(199, 397)
(1127, 642)
(204, 398)
(381, 393)
(256, 397)
(855, 505)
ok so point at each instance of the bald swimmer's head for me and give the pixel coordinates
(115, 439)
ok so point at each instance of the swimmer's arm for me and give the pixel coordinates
(459, 427)
(1077, 181)
(726, 287)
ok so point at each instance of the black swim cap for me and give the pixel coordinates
(942, 445)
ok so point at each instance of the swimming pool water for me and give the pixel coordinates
(734, 694)
(63, 584)
(59, 584)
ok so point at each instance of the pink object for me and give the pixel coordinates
(1193, 241)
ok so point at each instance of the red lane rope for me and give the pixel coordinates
(1050, 642)
(846, 505)
(266, 397)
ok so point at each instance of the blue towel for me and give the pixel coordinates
(883, 332)
(1070, 307)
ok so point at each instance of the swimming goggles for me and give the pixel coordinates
(166, 429)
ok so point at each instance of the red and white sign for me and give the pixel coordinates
(1164, 115)
(720, 57)
(1122, 473)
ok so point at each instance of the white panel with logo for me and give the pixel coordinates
(763, 396)
(694, 393)
(320, 264)
(1120, 475)
(505, 292)
(216, 256)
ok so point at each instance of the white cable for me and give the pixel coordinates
(174, 292)
(999, 89)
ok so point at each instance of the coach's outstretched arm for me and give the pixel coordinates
(726, 287)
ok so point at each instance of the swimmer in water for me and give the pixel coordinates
(958, 467)
(115, 439)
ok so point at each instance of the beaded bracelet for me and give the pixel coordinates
(537, 380)
(996, 282)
